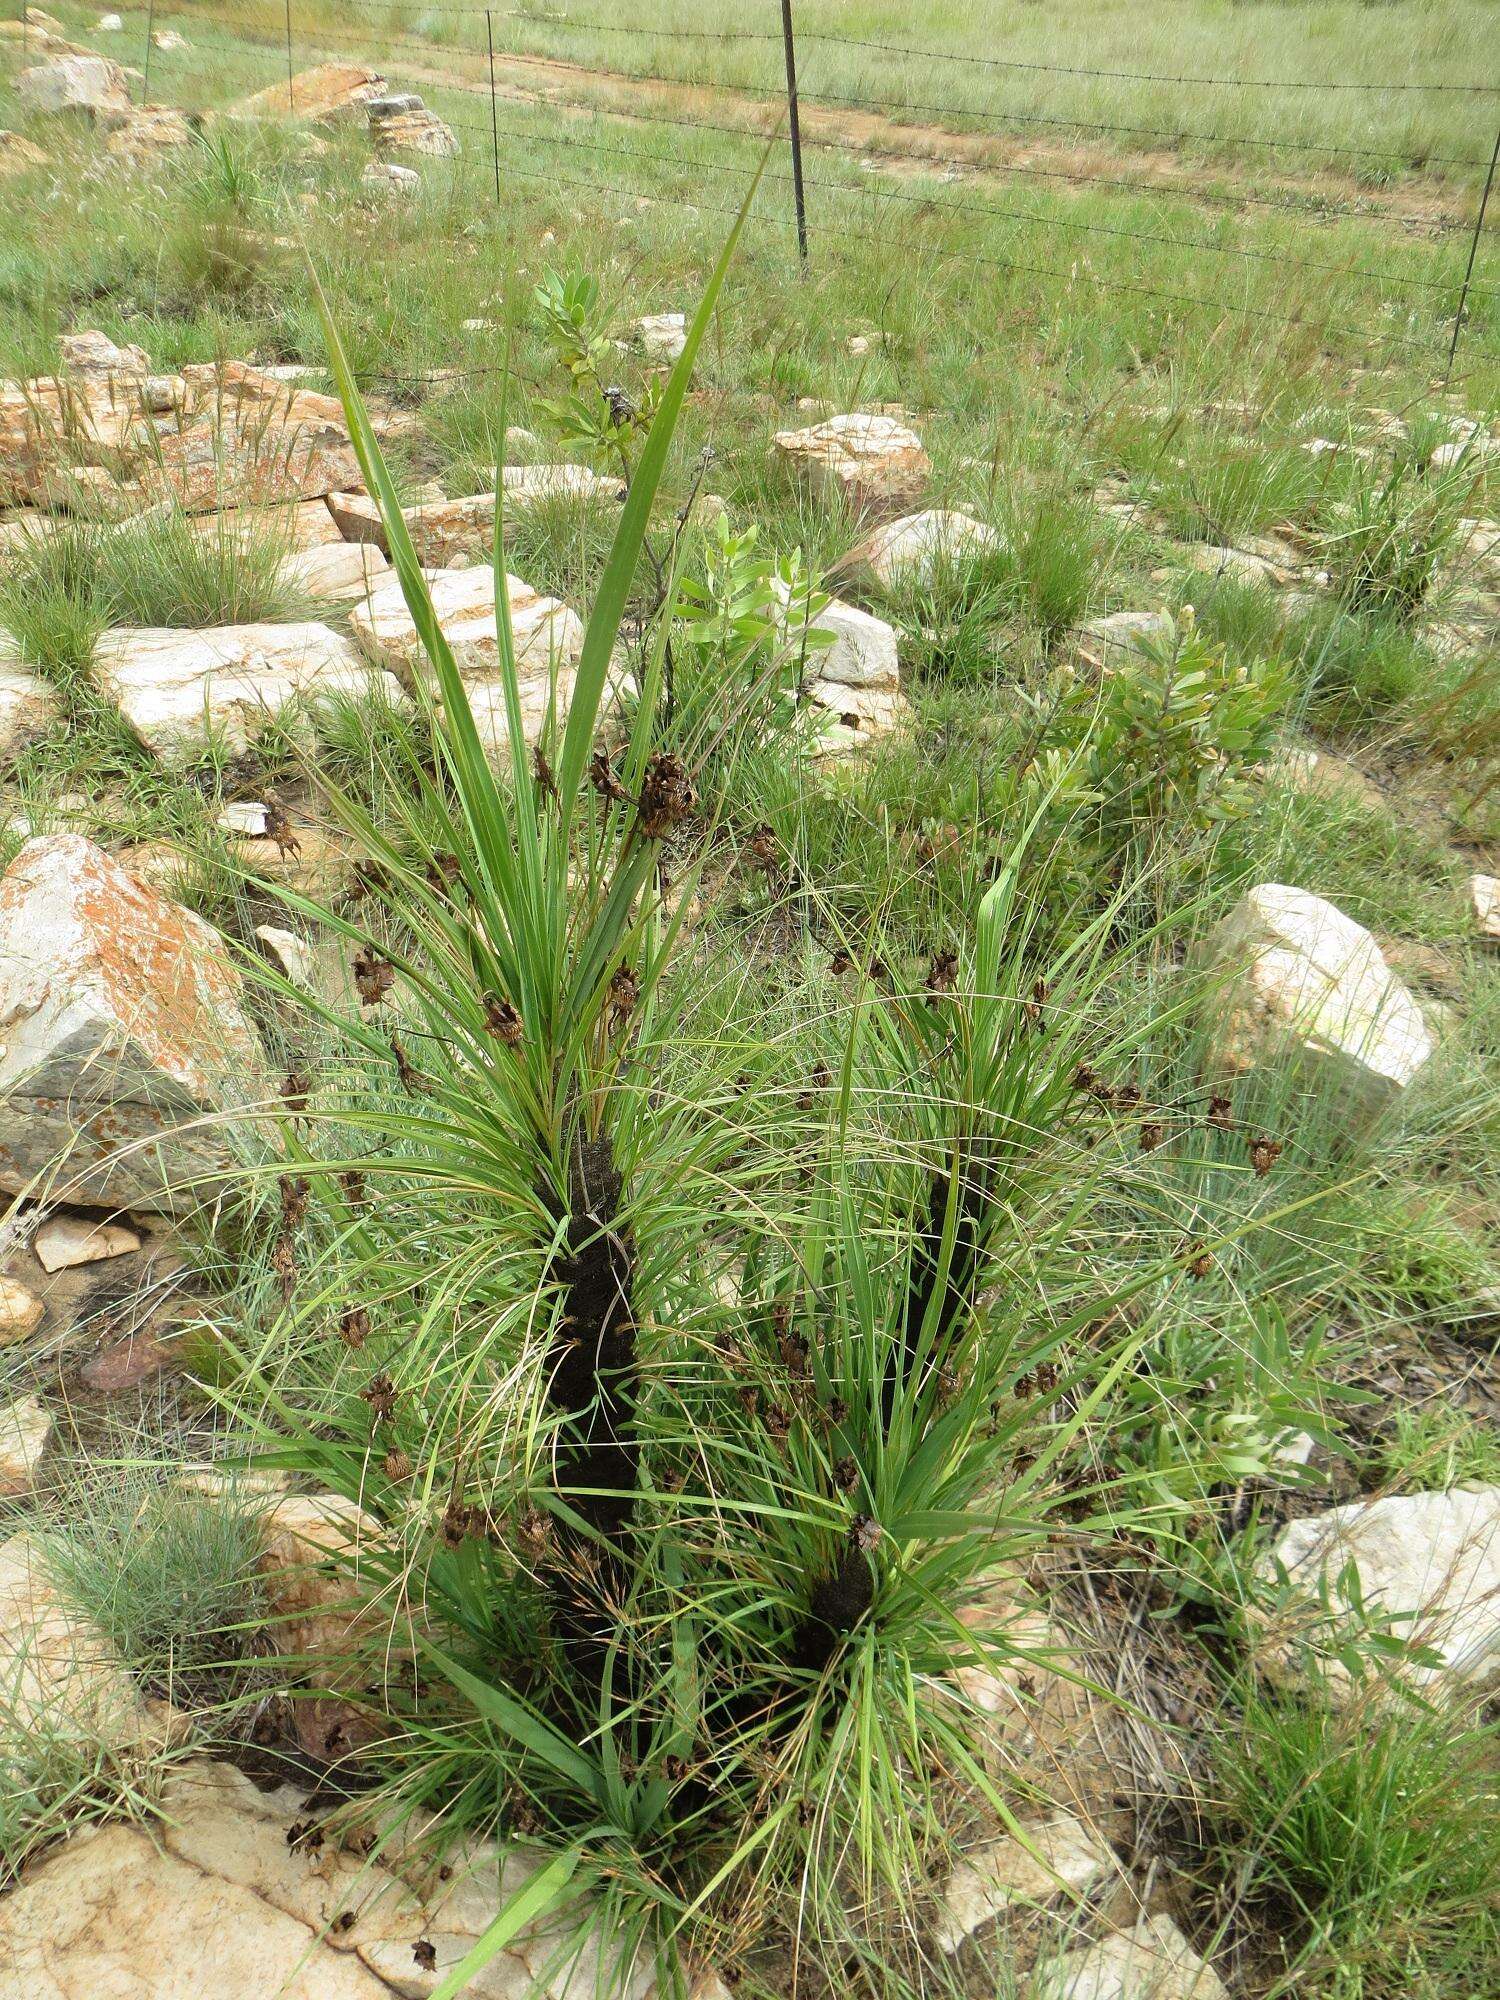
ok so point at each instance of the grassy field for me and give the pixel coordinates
(864, 1111)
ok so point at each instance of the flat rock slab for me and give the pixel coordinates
(181, 690)
(442, 530)
(1059, 1858)
(1150, 1961)
(1428, 1561)
(1298, 976)
(218, 1899)
(122, 1021)
(338, 571)
(1123, 636)
(548, 636)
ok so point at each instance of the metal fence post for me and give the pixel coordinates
(291, 95)
(795, 124)
(150, 38)
(1463, 297)
(489, 36)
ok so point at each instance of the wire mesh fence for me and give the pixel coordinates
(1043, 176)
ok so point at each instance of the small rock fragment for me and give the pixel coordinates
(20, 1311)
(1484, 900)
(25, 1428)
(65, 1241)
(1150, 1961)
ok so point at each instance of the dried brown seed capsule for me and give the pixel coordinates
(380, 1393)
(1126, 1096)
(943, 976)
(304, 1836)
(534, 1532)
(838, 1409)
(677, 1769)
(840, 963)
(424, 1955)
(777, 1420)
(293, 1191)
(764, 848)
(374, 976)
(668, 795)
(544, 778)
(354, 1326)
(443, 871)
(1220, 1112)
(1153, 1134)
(1034, 1005)
(1200, 1264)
(352, 1181)
(624, 991)
(846, 1474)
(603, 779)
(410, 1079)
(1264, 1153)
(284, 1264)
(294, 1089)
(866, 1532)
(397, 1465)
(279, 828)
(502, 1020)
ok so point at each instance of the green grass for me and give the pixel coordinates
(1378, 1835)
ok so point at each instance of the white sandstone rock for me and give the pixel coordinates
(663, 336)
(1429, 1562)
(1150, 1961)
(1298, 973)
(547, 633)
(1484, 899)
(1067, 1860)
(94, 353)
(872, 461)
(121, 1018)
(93, 86)
(292, 956)
(27, 702)
(109, 24)
(336, 570)
(1122, 636)
(181, 689)
(918, 546)
(385, 177)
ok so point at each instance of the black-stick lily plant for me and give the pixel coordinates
(672, 1565)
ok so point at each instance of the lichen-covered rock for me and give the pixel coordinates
(328, 91)
(873, 462)
(121, 1022)
(180, 690)
(418, 131)
(18, 155)
(1297, 975)
(1123, 636)
(140, 140)
(1429, 1569)
(661, 336)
